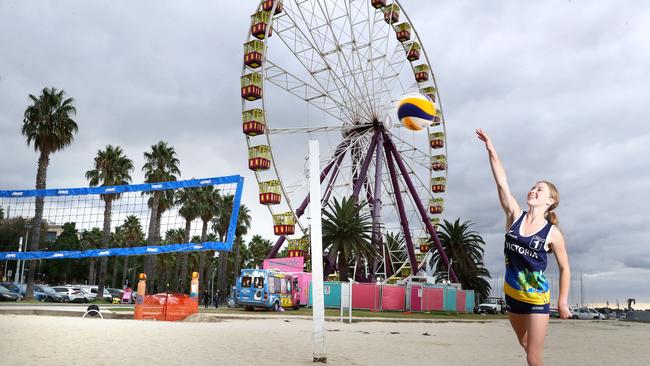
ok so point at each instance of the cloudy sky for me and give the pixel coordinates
(561, 86)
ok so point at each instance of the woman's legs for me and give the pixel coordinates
(537, 327)
(519, 323)
(531, 332)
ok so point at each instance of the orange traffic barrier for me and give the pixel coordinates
(167, 306)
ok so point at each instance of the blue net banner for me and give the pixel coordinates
(237, 180)
(112, 252)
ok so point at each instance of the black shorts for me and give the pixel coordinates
(520, 307)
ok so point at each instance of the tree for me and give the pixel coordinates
(243, 224)
(91, 239)
(65, 270)
(188, 199)
(132, 235)
(465, 247)
(347, 232)
(48, 124)
(161, 165)
(259, 248)
(209, 200)
(112, 168)
(220, 225)
(2, 213)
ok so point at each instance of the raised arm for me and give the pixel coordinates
(508, 202)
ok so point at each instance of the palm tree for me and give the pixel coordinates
(90, 239)
(209, 199)
(347, 232)
(465, 247)
(243, 224)
(259, 248)
(161, 165)
(132, 234)
(220, 225)
(49, 125)
(189, 210)
(112, 168)
(173, 236)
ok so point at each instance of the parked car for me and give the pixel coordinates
(91, 291)
(554, 313)
(492, 305)
(7, 295)
(22, 289)
(586, 313)
(117, 294)
(74, 294)
(50, 294)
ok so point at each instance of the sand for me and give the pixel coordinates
(49, 340)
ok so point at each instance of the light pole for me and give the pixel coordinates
(451, 261)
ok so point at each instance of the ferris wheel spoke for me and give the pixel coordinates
(308, 93)
(311, 59)
(312, 55)
(323, 35)
(356, 72)
(274, 131)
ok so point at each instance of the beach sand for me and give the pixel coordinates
(49, 340)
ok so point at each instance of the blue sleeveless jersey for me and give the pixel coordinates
(526, 259)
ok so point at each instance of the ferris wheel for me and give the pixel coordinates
(333, 70)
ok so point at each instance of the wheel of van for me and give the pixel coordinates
(494, 311)
(276, 306)
(248, 308)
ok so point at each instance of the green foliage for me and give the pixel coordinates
(48, 122)
(465, 247)
(65, 270)
(10, 232)
(347, 231)
(259, 248)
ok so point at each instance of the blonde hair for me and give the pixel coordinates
(555, 195)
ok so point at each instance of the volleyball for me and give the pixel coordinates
(415, 111)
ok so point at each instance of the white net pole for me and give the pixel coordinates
(318, 336)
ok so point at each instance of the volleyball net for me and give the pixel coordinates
(150, 218)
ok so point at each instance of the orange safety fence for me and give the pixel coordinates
(167, 306)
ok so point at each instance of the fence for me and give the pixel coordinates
(167, 306)
(417, 298)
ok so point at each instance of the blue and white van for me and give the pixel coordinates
(267, 288)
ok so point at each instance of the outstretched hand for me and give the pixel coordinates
(485, 138)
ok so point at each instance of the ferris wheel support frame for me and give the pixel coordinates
(403, 220)
(376, 204)
(432, 232)
(340, 150)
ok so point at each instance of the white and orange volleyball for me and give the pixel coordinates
(416, 111)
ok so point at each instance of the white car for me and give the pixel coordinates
(588, 314)
(74, 294)
(91, 293)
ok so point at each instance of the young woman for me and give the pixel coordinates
(530, 236)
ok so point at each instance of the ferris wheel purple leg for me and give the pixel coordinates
(376, 204)
(391, 147)
(400, 207)
(363, 172)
